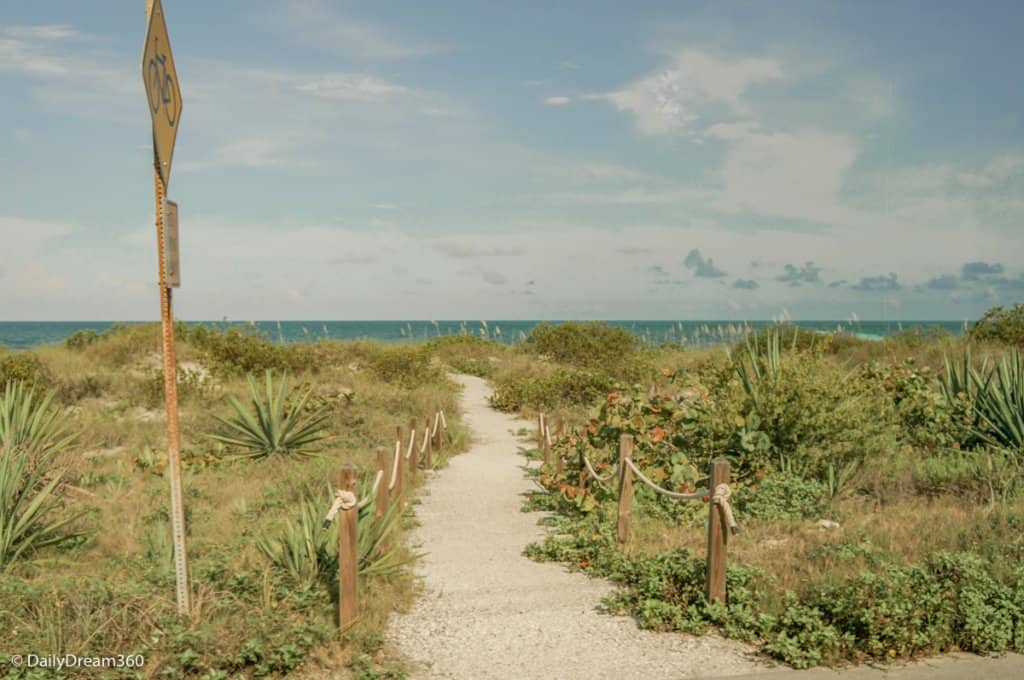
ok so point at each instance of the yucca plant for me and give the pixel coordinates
(31, 432)
(29, 425)
(763, 362)
(309, 552)
(276, 424)
(996, 393)
(999, 403)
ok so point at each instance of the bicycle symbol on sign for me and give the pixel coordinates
(161, 86)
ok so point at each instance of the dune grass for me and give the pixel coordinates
(110, 589)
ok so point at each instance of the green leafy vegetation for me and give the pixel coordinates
(277, 425)
(97, 574)
(32, 435)
(1001, 325)
(909, 447)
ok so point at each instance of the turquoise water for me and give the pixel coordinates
(25, 334)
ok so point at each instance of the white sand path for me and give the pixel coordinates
(489, 612)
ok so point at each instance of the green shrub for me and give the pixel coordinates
(407, 365)
(234, 351)
(24, 367)
(782, 497)
(564, 387)
(926, 419)
(592, 345)
(467, 353)
(277, 424)
(1001, 325)
(816, 420)
(79, 340)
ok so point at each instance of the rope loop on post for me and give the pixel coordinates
(437, 422)
(721, 499)
(343, 500)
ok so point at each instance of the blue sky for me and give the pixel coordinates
(472, 160)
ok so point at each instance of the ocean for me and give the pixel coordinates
(27, 334)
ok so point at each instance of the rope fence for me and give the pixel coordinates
(347, 504)
(717, 494)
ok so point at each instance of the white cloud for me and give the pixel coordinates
(557, 101)
(352, 86)
(670, 101)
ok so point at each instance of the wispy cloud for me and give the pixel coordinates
(672, 100)
(557, 101)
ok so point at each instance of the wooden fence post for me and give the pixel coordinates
(438, 444)
(414, 450)
(584, 477)
(716, 533)
(545, 441)
(625, 488)
(381, 504)
(399, 468)
(559, 463)
(348, 553)
(428, 459)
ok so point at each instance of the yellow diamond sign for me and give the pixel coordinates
(162, 90)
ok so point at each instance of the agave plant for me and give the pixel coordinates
(996, 391)
(309, 552)
(276, 425)
(31, 432)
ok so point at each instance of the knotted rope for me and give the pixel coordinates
(671, 494)
(721, 499)
(343, 500)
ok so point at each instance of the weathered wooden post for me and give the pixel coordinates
(348, 552)
(583, 473)
(428, 458)
(414, 451)
(437, 429)
(545, 441)
(559, 463)
(625, 488)
(716, 533)
(381, 503)
(399, 469)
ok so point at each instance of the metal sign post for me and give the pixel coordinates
(161, 81)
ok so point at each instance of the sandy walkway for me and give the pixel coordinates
(488, 612)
